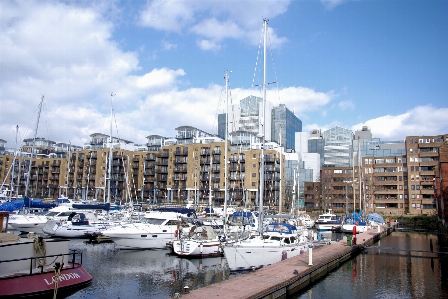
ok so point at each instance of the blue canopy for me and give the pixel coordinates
(11, 206)
(375, 217)
(97, 206)
(36, 203)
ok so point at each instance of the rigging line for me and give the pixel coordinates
(217, 111)
(233, 111)
(116, 126)
(258, 56)
(273, 65)
(46, 118)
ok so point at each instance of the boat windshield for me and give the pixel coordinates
(50, 214)
(155, 221)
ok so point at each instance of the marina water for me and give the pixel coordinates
(402, 265)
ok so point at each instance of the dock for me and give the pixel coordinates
(290, 276)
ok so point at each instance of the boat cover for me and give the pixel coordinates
(375, 217)
(186, 211)
(99, 206)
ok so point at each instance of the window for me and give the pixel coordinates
(412, 168)
(417, 187)
(254, 166)
(412, 187)
(253, 184)
(254, 175)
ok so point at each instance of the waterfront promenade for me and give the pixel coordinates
(289, 276)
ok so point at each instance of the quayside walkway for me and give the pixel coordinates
(281, 280)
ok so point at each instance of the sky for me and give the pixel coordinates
(161, 64)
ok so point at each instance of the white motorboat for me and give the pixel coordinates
(31, 222)
(155, 230)
(328, 221)
(80, 224)
(277, 243)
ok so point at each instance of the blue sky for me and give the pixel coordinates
(383, 64)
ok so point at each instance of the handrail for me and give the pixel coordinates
(73, 253)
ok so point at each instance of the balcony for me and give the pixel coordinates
(181, 151)
(182, 168)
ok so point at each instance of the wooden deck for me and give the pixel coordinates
(279, 280)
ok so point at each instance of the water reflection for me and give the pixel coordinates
(402, 265)
(143, 273)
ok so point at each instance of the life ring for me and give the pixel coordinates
(176, 233)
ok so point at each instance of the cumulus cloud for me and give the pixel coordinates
(421, 120)
(240, 21)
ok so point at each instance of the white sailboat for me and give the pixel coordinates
(275, 242)
(206, 243)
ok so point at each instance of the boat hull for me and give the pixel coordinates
(137, 242)
(327, 227)
(43, 285)
(55, 228)
(348, 228)
(254, 257)
(193, 248)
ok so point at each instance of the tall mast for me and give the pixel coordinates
(226, 150)
(68, 167)
(13, 164)
(32, 148)
(359, 175)
(110, 149)
(281, 177)
(353, 181)
(263, 132)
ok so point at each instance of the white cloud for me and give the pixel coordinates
(168, 46)
(207, 45)
(242, 20)
(330, 4)
(346, 105)
(421, 120)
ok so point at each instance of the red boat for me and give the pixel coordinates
(37, 267)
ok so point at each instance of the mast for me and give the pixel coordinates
(262, 123)
(210, 181)
(353, 182)
(68, 167)
(359, 175)
(110, 150)
(32, 148)
(13, 166)
(281, 158)
(225, 154)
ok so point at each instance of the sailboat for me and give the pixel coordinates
(206, 243)
(85, 221)
(274, 242)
